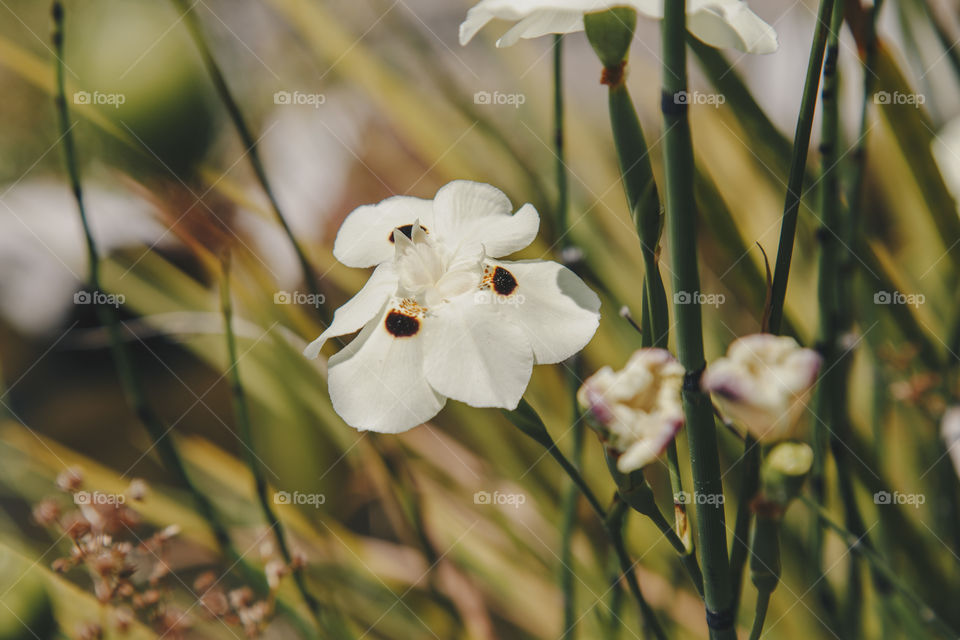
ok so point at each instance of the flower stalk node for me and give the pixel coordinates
(614, 76)
(720, 620)
(691, 380)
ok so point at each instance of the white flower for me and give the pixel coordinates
(950, 432)
(764, 383)
(441, 316)
(719, 23)
(638, 407)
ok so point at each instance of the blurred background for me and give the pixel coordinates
(351, 102)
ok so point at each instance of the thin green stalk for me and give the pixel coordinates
(188, 12)
(637, 493)
(132, 387)
(681, 226)
(571, 496)
(647, 214)
(741, 530)
(760, 616)
(829, 396)
(321, 615)
(798, 165)
(526, 419)
(923, 612)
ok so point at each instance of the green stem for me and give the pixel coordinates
(829, 396)
(321, 616)
(526, 419)
(798, 165)
(760, 616)
(246, 137)
(926, 614)
(132, 387)
(741, 530)
(681, 225)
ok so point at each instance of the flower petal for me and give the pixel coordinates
(557, 311)
(542, 23)
(475, 355)
(731, 24)
(366, 237)
(470, 214)
(376, 382)
(359, 309)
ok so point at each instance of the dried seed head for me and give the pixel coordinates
(123, 619)
(70, 479)
(215, 602)
(75, 525)
(204, 581)
(46, 513)
(274, 571)
(240, 598)
(138, 489)
(89, 631)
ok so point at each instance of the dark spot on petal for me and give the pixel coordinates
(406, 230)
(402, 326)
(503, 281)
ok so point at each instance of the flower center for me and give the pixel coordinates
(431, 273)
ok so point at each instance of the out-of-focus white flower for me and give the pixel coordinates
(638, 408)
(764, 382)
(950, 432)
(42, 252)
(440, 316)
(719, 23)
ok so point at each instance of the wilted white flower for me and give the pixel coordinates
(719, 23)
(440, 316)
(638, 407)
(950, 432)
(764, 382)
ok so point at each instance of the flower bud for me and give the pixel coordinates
(637, 410)
(610, 33)
(764, 383)
(784, 469)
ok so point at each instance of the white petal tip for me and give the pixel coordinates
(313, 349)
